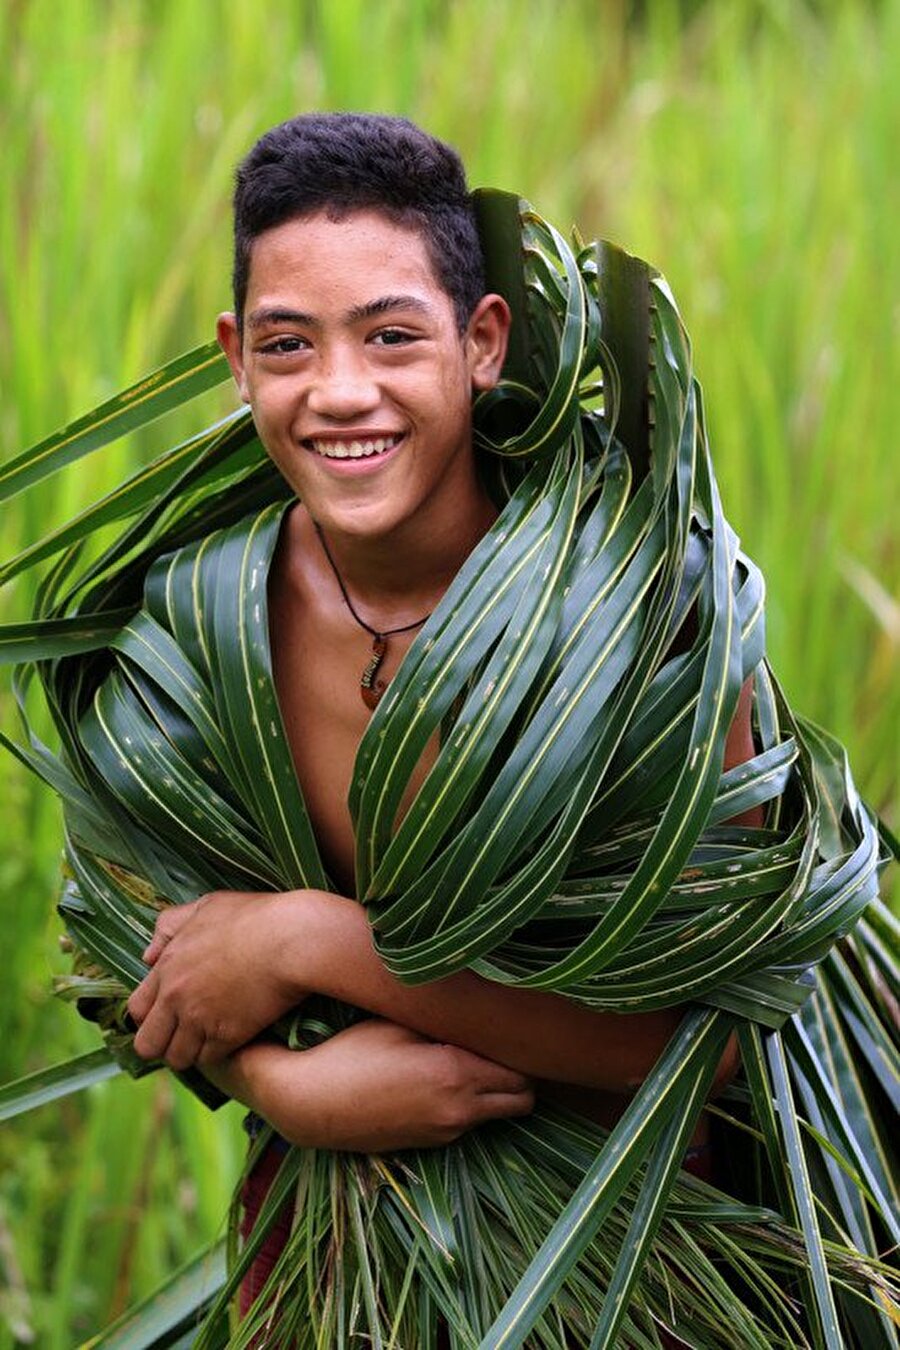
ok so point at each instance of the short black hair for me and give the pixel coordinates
(342, 162)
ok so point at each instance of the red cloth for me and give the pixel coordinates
(253, 1194)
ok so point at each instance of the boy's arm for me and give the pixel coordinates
(227, 966)
(739, 748)
(374, 1087)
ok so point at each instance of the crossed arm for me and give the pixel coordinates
(434, 1059)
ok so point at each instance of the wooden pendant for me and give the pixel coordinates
(370, 687)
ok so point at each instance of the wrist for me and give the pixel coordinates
(293, 966)
(324, 936)
(284, 1087)
(245, 1075)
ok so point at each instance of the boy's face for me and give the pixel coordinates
(359, 379)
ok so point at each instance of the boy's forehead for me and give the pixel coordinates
(359, 248)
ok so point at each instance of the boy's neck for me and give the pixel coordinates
(414, 558)
(398, 577)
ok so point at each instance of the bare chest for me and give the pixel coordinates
(317, 670)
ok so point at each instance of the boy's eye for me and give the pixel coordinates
(284, 346)
(392, 337)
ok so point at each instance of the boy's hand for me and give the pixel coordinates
(373, 1088)
(214, 982)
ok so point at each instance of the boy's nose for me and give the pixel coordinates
(343, 388)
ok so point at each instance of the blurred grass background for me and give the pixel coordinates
(746, 149)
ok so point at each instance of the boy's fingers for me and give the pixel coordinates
(492, 1077)
(167, 925)
(506, 1080)
(213, 1051)
(155, 1033)
(184, 1049)
(142, 999)
(497, 1105)
(151, 953)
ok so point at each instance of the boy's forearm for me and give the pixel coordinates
(238, 1075)
(372, 1087)
(540, 1034)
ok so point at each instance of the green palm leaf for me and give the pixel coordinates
(675, 1089)
(43, 639)
(169, 1316)
(59, 1080)
(139, 491)
(573, 835)
(167, 388)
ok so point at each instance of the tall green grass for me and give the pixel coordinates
(746, 149)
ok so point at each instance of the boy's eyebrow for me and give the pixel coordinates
(260, 317)
(385, 304)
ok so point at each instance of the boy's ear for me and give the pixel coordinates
(486, 337)
(229, 339)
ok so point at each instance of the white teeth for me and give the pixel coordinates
(353, 449)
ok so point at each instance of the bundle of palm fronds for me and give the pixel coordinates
(582, 670)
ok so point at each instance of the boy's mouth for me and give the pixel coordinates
(362, 447)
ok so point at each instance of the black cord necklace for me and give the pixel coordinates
(370, 687)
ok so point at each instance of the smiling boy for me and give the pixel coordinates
(361, 332)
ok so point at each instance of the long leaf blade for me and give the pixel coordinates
(48, 1085)
(166, 388)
